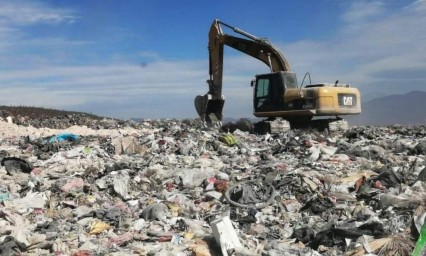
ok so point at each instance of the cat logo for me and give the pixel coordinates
(347, 101)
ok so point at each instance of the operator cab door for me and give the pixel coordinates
(269, 91)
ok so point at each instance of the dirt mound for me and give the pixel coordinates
(57, 119)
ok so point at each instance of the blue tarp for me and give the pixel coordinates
(63, 137)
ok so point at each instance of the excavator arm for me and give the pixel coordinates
(209, 106)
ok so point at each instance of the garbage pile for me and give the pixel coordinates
(175, 188)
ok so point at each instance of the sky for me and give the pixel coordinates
(149, 59)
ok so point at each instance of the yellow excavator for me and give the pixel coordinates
(276, 95)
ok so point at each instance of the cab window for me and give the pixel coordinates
(290, 80)
(262, 89)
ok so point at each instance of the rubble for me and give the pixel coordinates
(173, 187)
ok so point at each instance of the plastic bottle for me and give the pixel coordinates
(420, 249)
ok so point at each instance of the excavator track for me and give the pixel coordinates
(331, 125)
(322, 124)
(338, 125)
(280, 125)
(272, 127)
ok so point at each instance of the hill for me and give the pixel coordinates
(37, 112)
(53, 118)
(406, 109)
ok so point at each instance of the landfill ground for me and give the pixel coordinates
(80, 185)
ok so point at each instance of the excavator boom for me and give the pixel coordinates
(209, 106)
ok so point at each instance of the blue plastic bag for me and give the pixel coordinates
(63, 137)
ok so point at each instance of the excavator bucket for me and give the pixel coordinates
(209, 110)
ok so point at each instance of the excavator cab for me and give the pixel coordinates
(269, 90)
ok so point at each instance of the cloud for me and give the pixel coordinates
(360, 11)
(377, 48)
(100, 87)
(161, 89)
(374, 40)
(149, 55)
(25, 13)
(86, 78)
(16, 38)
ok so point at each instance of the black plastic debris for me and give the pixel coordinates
(10, 246)
(251, 194)
(388, 178)
(15, 165)
(304, 235)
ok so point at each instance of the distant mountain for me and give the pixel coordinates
(407, 109)
(137, 119)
